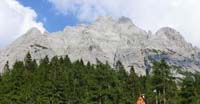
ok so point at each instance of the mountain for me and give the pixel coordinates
(107, 40)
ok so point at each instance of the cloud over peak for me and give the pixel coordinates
(182, 15)
(15, 20)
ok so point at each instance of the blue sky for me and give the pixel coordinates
(51, 19)
(18, 16)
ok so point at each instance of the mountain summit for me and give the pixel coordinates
(107, 40)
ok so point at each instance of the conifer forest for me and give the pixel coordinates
(60, 81)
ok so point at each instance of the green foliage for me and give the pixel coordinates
(60, 81)
(162, 82)
(30, 64)
(133, 86)
(6, 67)
(190, 89)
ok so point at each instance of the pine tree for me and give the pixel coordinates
(44, 61)
(134, 85)
(28, 62)
(162, 81)
(187, 90)
(119, 65)
(6, 67)
(197, 88)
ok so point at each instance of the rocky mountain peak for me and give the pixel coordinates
(170, 34)
(108, 40)
(33, 31)
(32, 35)
(125, 20)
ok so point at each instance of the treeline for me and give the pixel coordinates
(60, 81)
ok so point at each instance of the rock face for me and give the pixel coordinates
(107, 40)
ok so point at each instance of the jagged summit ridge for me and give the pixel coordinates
(125, 20)
(107, 40)
(170, 34)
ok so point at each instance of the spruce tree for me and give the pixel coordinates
(133, 85)
(6, 67)
(119, 65)
(162, 82)
(187, 93)
(28, 62)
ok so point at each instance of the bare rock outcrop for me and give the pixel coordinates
(107, 40)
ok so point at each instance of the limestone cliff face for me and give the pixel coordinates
(107, 40)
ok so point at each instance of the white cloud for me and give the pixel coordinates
(182, 15)
(15, 20)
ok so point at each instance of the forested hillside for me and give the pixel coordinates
(60, 81)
